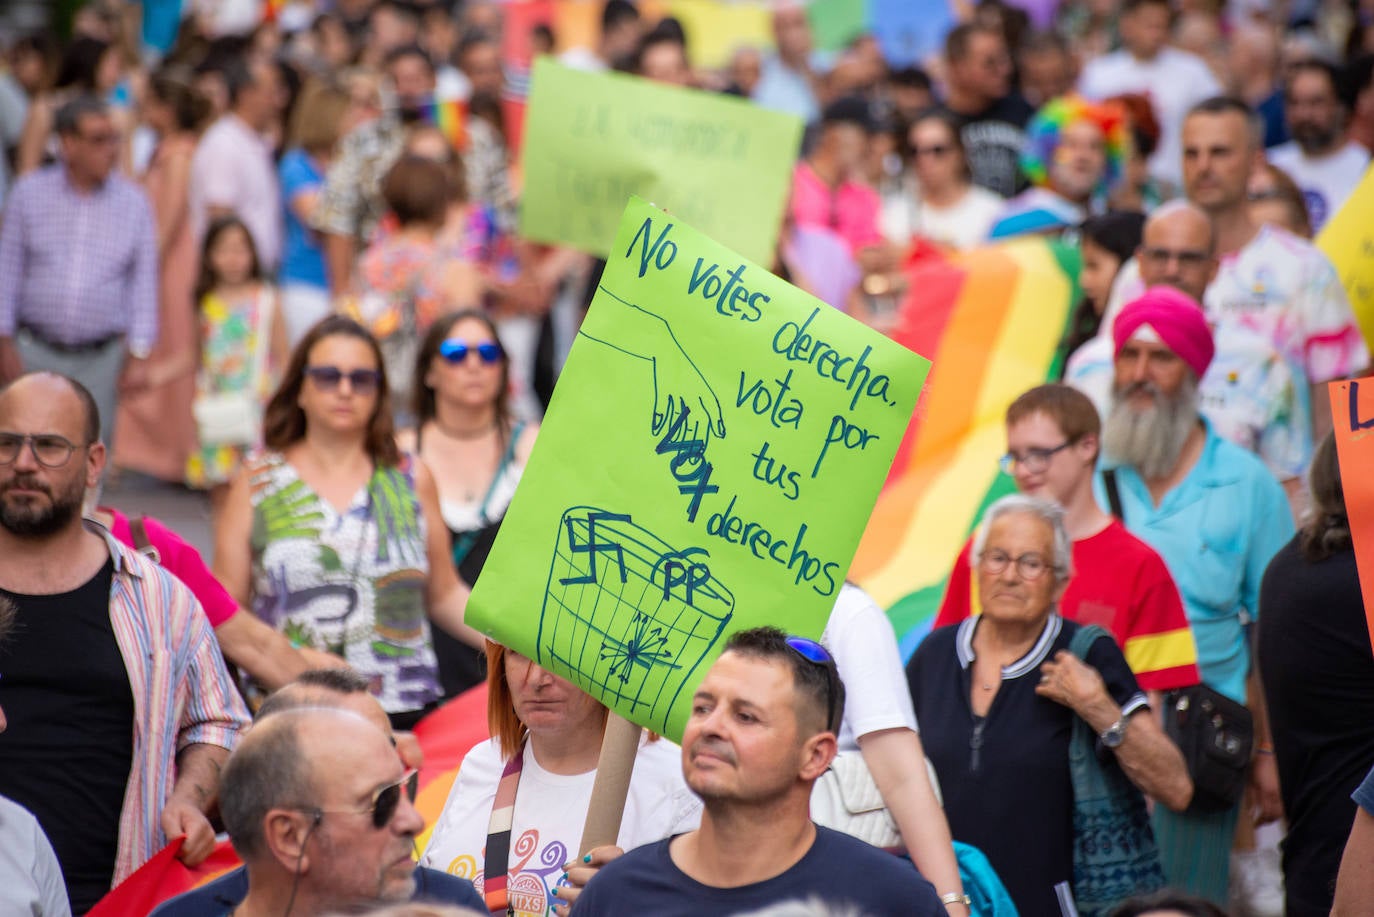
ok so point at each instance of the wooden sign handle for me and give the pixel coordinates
(613, 769)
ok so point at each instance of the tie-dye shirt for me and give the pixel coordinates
(1285, 288)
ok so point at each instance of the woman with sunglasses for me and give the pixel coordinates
(475, 449)
(1000, 698)
(941, 204)
(333, 536)
(519, 803)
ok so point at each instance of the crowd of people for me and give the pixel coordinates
(240, 252)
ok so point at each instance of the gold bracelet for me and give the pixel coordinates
(949, 898)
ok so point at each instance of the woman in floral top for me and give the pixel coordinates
(333, 536)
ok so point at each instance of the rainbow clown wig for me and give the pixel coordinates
(1044, 129)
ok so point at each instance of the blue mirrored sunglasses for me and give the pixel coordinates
(456, 350)
(816, 654)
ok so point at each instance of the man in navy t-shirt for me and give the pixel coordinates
(762, 729)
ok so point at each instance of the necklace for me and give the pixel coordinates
(466, 435)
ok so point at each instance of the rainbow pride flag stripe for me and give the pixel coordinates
(450, 117)
(991, 321)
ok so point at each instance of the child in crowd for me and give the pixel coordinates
(242, 342)
(1106, 242)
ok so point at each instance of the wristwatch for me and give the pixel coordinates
(1115, 734)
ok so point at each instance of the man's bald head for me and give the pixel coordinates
(280, 765)
(43, 387)
(1178, 248)
(343, 689)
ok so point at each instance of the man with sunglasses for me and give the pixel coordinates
(762, 730)
(119, 706)
(1054, 438)
(315, 691)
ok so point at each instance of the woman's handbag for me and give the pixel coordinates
(846, 799)
(1217, 737)
(1114, 852)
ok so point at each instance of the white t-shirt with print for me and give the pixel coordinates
(1325, 182)
(1286, 289)
(859, 637)
(550, 811)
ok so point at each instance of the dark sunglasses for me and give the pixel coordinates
(362, 381)
(938, 150)
(384, 800)
(456, 350)
(816, 654)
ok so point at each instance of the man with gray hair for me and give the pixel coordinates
(316, 691)
(1215, 515)
(78, 266)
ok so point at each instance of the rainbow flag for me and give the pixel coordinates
(450, 117)
(991, 321)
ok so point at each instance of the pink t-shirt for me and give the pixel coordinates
(181, 560)
(851, 209)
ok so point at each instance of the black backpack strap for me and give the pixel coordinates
(1113, 493)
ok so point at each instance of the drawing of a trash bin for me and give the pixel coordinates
(631, 615)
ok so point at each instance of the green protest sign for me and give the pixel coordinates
(594, 139)
(712, 453)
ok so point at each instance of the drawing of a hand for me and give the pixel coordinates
(679, 385)
(680, 388)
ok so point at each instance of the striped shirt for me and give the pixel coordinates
(77, 268)
(183, 694)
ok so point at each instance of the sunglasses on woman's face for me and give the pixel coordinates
(384, 800)
(328, 378)
(456, 350)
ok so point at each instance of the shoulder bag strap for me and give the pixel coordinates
(142, 544)
(1113, 493)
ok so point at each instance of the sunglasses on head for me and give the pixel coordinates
(362, 381)
(384, 800)
(816, 654)
(456, 350)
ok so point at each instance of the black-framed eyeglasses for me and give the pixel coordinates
(385, 800)
(328, 378)
(1185, 257)
(816, 654)
(456, 350)
(1033, 460)
(49, 449)
(934, 151)
(1030, 567)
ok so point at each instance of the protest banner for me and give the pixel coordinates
(1352, 417)
(594, 139)
(708, 463)
(1348, 240)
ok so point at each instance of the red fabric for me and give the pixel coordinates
(450, 732)
(1120, 583)
(181, 560)
(163, 877)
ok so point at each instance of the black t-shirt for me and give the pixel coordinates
(1005, 776)
(992, 141)
(838, 869)
(67, 751)
(1318, 674)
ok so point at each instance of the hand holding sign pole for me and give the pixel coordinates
(713, 449)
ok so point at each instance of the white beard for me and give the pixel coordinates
(1150, 440)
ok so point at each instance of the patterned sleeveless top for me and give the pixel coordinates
(351, 583)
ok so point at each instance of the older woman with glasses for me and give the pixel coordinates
(333, 536)
(997, 697)
(476, 450)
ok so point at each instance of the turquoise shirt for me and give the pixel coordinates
(1217, 531)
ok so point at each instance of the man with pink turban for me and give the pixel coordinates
(1213, 512)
